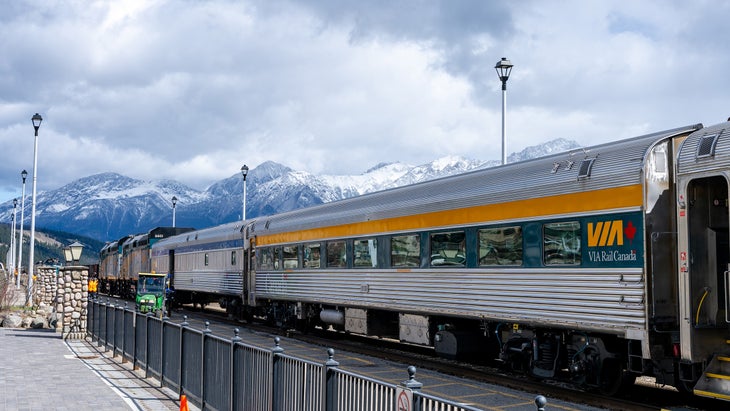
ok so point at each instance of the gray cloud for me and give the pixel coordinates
(192, 90)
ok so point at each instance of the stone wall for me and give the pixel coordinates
(45, 286)
(68, 291)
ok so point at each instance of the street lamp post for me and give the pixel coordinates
(244, 173)
(12, 238)
(23, 174)
(36, 119)
(174, 201)
(504, 68)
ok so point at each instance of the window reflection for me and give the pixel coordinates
(290, 253)
(448, 249)
(366, 253)
(311, 255)
(561, 243)
(336, 254)
(500, 246)
(405, 250)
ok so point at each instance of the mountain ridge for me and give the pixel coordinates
(108, 205)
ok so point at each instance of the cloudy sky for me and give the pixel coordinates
(192, 90)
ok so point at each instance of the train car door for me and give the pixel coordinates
(249, 294)
(249, 275)
(171, 268)
(704, 255)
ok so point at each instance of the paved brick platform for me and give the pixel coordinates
(41, 371)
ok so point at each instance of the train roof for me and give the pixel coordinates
(134, 240)
(164, 232)
(614, 164)
(228, 231)
(109, 246)
(705, 149)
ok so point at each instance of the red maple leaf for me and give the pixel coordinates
(630, 231)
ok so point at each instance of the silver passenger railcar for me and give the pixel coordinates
(205, 265)
(595, 265)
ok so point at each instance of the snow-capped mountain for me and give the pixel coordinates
(99, 206)
(109, 206)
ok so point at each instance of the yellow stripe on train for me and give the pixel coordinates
(583, 202)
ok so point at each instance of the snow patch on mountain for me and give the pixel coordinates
(108, 206)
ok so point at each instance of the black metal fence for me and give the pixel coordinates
(228, 374)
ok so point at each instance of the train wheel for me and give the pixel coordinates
(305, 326)
(613, 379)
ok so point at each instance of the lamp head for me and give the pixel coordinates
(24, 174)
(174, 201)
(15, 202)
(244, 171)
(76, 249)
(36, 121)
(67, 255)
(504, 68)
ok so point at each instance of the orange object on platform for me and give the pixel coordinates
(184, 403)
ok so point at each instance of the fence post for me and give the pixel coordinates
(124, 332)
(330, 381)
(109, 305)
(147, 345)
(100, 320)
(236, 339)
(540, 402)
(206, 331)
(90, 329)
(414, 386)
(183, 326)
(115, 316)
(275, 372)
(134, 326)
(162, 350)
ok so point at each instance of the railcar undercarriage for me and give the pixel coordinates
(591, 361)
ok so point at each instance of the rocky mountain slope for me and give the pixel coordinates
(108, 206)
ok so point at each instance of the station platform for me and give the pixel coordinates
(41, 371)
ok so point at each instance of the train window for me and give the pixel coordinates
(233, 258)
(276, 257)
(336, 254)
(291, 257)
(266, 259)
(207, 259)
(500, 246)
(448, 249)
(405, 250)
(585, 168)
(561, 243)
(310, 256)
(706, 146)
(366, 253)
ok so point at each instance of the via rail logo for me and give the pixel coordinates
(614, 242)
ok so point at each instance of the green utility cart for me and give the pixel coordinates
(151, 292)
